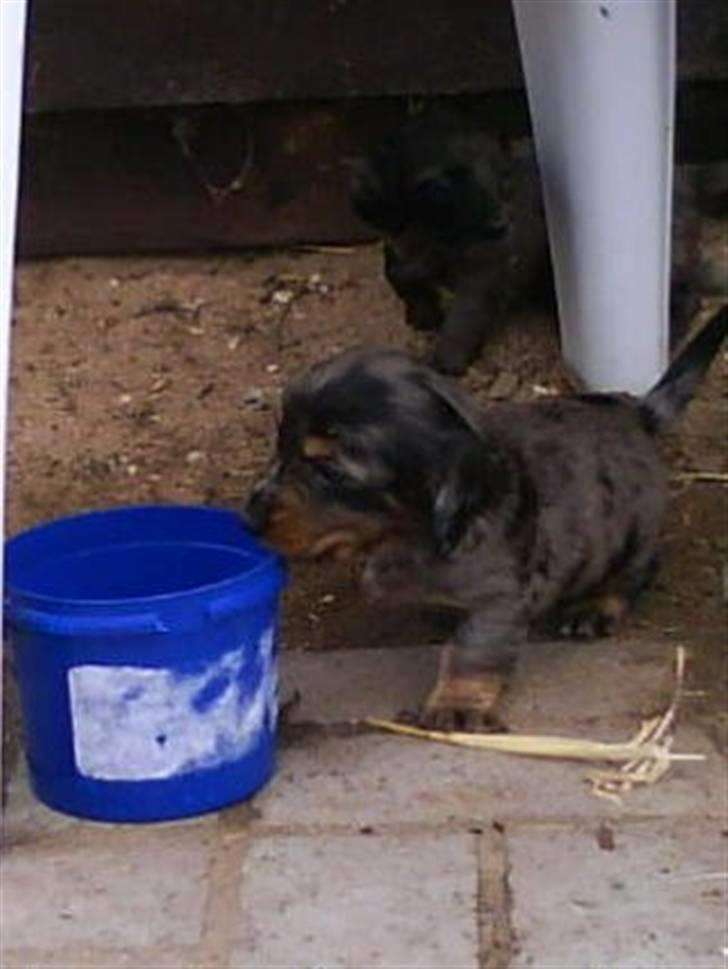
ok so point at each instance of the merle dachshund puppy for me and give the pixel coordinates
(464, 232)
(517, 515)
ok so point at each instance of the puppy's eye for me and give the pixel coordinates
(434, 192)
(326, 471)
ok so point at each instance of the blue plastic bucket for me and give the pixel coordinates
(144, 641)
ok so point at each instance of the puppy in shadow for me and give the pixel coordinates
(518, 515)
(464, 232)
(465, 240)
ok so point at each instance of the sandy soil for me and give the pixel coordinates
(157, 379)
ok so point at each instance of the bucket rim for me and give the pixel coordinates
(269, 567)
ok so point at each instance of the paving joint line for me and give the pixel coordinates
(496, 935)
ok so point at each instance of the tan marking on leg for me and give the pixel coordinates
(476, 692)
(612, 606)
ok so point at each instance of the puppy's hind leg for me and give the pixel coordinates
(598, 614)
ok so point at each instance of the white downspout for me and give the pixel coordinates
(600, 76)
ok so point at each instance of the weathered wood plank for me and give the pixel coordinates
(191, 179)
(96, 54)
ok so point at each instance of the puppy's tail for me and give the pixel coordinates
(673, 392)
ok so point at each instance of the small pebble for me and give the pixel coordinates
(194, 457)
(504, 385)
(328, 599)
(542, 390)
(124, 398)
(272, 368)
(254, 397)
(234, 343)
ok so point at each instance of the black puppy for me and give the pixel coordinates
(517, 514)
(463, 226)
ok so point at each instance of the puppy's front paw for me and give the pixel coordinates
(463, 703)
(447, 719)
(450, 360)
(423, 316)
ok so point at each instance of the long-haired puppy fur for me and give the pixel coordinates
(518, 515)
(463, 228)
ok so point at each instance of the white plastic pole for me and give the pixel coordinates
(600, 76)
(12, 45)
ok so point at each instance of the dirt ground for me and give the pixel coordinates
(158, 379)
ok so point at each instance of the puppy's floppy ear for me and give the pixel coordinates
(470, 473)
(458, 494)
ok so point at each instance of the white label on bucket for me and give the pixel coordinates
(133, 723)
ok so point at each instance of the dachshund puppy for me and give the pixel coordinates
(517, 515)
(463, 227)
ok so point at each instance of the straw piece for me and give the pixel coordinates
(715, 477)
(644, 759)
(525, 745)
(656, 731)
(325, 250)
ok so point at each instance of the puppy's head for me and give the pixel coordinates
(373, 444)
(436, 178)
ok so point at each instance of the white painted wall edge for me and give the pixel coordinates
(600, 76)
(12, 47)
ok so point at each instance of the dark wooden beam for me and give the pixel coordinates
(191, 179)
(95, 54)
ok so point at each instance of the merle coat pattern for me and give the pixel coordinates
(518, 515)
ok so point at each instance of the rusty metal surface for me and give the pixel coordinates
(97, 54)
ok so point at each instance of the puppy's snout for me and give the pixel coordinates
(258, 507)
(406, 271)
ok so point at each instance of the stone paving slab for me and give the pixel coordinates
(26, 819)
(555, 685)
(111, 891)
(359, 901)
(365, 850)
(558, 684)
(352, 684)
(637, 897)
(380, 779)
(92, 957)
